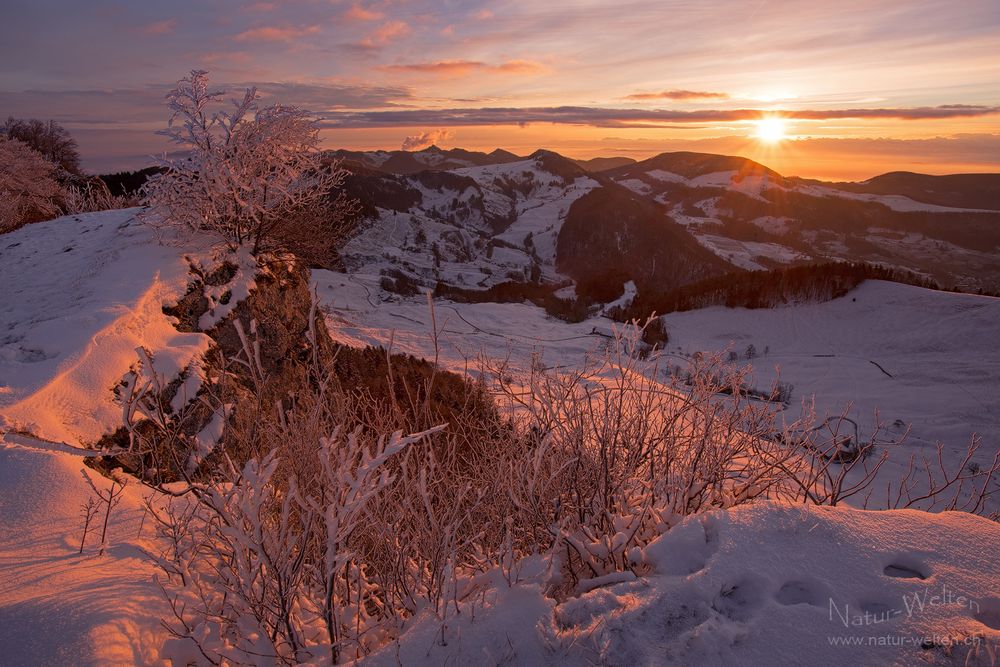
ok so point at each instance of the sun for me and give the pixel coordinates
(771, 130)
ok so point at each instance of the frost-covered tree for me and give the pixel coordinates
(50, 139)
(251, 175)
(29, 191)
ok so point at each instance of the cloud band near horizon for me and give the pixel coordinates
(629, 118)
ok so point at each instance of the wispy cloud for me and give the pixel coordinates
(678, 95)
(145, 105)
(464, 67)
(357, 12)
(416, 142)
(519, 67)
(279, 33)
(387, 32)
(633, 118)
(160, 27)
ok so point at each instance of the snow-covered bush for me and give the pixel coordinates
(268, 569)
(252, 175)
(90, 195)
(29, 191)
(318, 538)
(49, 139)
(630, 457)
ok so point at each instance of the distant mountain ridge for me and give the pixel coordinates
(959, 190)
(549, 223)
(438, 159)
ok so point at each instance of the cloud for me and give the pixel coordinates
(483, 15)
(519, 67)
(284, 33)
(443, 67)
(678, 95)
(387, 32)
(632, 118)
(360, 13)
(160, 27)
(122, 107)
(416, 142)
(464, 67)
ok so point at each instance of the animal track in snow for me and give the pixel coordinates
(30, 355)
(907, 567)
(880, 609)
(809, 592)
(738, 600)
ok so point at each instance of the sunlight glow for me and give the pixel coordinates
(771, 130)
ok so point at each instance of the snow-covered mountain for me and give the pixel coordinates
(944, 227)
(541, 220)
(474, 220)
(430, 158)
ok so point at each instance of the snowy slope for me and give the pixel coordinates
(80, 294)
(717, 197)
(58, 607)
(540, 211)
(358, 313)
(939, 347)
(450, 234)
(756, 585)
(761, 584)
(898, 203)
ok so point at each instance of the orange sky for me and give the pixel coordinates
(867, 87)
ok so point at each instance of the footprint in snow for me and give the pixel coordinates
(737, 601)
(906, 566)
(30, 356)
(807, 591)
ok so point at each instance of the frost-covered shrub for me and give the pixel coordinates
(252, 175)
(29, 191)
(51, 140)
(317, 537)
(90, 195)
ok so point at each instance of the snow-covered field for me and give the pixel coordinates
(761, 584)
(919, 359)
(937, 351)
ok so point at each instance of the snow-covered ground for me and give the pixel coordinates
(59, 607)
(920, 359)
(756, 585)
(357, 316)
(747, 254)
(80, 293)
(762, 584)
(937, 351)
